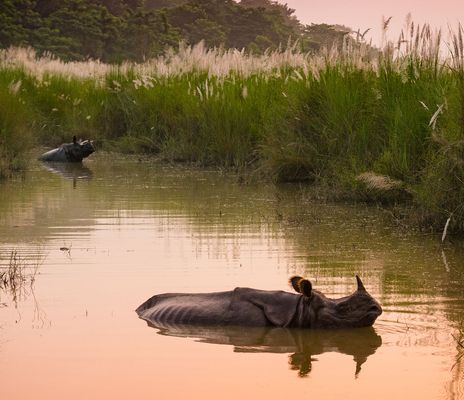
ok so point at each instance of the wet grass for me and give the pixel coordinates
(459, 339)
(388, 128)
(17, 276)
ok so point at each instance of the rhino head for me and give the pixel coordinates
(359, 309)
(79, 149)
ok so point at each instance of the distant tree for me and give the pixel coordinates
(323, 35)
(207, 30)
(12, 32)
(286, 12)
(87, 25)
(147, 34)
(156, 4)
(115, 7)
(185, 14)
(234, 25)
(19, 22)
(134, 4)
(263, 30)
(46, 7)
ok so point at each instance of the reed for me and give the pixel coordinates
(395, 112)
(459, 339)
(18, 275)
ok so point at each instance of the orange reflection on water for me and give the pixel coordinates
(133, 231)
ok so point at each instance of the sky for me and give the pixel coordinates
(365, 14)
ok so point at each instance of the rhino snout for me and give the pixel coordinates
(376, 309)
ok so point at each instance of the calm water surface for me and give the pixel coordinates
(106, 236)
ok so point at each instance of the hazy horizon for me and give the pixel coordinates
(361, 14)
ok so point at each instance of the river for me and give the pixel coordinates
(93, 242)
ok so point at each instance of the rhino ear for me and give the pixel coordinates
(361, 287)
(301, 285)
(294, 282)
(305, 287)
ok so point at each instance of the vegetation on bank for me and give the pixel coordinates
(388, 128)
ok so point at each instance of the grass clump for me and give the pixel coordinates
(17, 275)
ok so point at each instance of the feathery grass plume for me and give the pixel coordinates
(384, 27)
(379, 182)
(445, 230)
(457, 48)
(433, 120)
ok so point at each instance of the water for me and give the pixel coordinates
(106, 237)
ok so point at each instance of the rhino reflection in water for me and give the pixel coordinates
(252, 307)
(301, 344)
(72, 171)
(69, 152)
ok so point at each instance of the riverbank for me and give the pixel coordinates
(388, 128)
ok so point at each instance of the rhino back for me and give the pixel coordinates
(187, 308)
(241, 307)
(57, 155)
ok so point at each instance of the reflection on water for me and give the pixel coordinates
(132, 229)
(72, 171)
(302, 344)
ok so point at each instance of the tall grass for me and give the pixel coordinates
(16, 127)
(397, 112)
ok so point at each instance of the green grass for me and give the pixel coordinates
(16, 127)
(285, 116)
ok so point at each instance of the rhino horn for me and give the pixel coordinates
(358, 369)
(360, 284)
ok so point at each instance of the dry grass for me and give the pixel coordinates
(374, 181)
(184, 60)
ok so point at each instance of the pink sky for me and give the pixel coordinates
(365, 14)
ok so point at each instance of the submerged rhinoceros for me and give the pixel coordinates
(252, 307)
(69, 152)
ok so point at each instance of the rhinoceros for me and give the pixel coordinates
(253, 307)
(69, 152)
